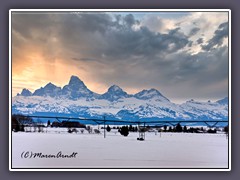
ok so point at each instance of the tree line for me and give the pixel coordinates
(185, 129)
(20, 121)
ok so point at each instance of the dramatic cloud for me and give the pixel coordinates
(182, 55)
(200, 41)
(219, 35)
(194, 31)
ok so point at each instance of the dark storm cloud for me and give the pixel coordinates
(38, 27)
(196, 75)
(129, 20)
(203, 68)
(219, 35)
(116, 38)
(100, 34)
(193, 31)
(130, 54)
(126, 43)
(200, 41)
(90, 22)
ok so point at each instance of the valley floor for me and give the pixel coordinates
(165, 150)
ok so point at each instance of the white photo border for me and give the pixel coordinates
(119, 10)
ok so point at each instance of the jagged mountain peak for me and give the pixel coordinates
(114, 88)
(25, 92)
(147, 104)
(114, 93)
(48, 90)
(75, 80)
(75, 84)
(154, 91)
(50, 86)
(150, 93)
(223, 101)
(77, 89)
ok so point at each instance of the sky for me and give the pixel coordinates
(184, 55)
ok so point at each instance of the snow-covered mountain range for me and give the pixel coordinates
(76, 100)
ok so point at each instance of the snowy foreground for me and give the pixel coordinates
(165, 150)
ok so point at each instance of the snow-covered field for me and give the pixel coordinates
(165, 150)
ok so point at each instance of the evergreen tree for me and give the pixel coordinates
(124, 131)
(165, 128)
(131, 128)
(48, 123)
(136, 129)
(170, 129)
(226, 129)
(212, 130)
(191, 130)
(18, 122)
(185, 129)
(178, 128)
(15, 124)
(108, 128)
(21, 128)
